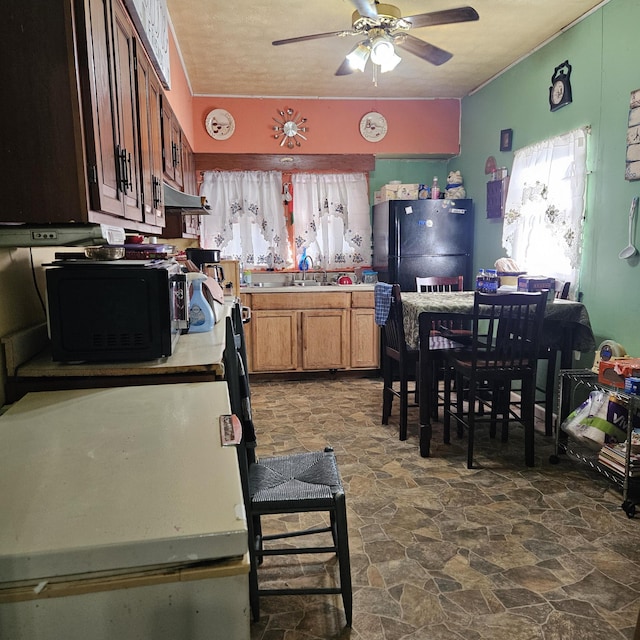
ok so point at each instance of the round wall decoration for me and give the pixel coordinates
(220, 124)
(290, 128)
(373, 126)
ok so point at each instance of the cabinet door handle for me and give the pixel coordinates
(156, 192)
(129, 173)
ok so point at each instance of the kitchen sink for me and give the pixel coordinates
(268, 284)
(305, 283)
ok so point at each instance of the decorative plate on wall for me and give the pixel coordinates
(220, 124)
(373, 126)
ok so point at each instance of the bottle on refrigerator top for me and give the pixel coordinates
(435, 189)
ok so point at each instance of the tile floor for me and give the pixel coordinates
(440, 552)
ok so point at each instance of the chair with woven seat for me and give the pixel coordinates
(395, 350)
(288, 484)
(507, 331)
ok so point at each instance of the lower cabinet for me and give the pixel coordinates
(311, 332)
(274, 341)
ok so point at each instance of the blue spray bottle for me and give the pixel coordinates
(201, 317)
(303, 265)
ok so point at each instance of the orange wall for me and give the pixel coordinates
(179, 96)
(415, 127)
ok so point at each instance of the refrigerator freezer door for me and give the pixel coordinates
(404, 270)
(433, 227)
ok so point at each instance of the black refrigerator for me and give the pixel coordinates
(422, 238)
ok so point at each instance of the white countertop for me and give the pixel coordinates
(194, 352)
(321, 288)
(110, 479)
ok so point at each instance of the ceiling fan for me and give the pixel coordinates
(383, 29)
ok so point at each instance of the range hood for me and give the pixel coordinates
(175, 200)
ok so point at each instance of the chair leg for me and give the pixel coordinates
(387, 393)
(404, 403)
(471, 423)
(460, 402)
(528, 419)
(343, 558)
(447, 406)
(549, 388)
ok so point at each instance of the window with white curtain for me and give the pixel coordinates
(247, 221)
(331, 219)
(545, 207)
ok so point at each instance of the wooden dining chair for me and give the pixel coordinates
(295, 483)
(434, 284)
(397, 355)
(550, 354)
(507, 331)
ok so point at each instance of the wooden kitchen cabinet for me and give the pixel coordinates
(149, 125)
(325, 339)
(274, 340)
(304, 331)
(171, 146)
(72, 152)
(365, 333)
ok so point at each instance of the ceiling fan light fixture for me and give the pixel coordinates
(391, 63)
(382, 50)
(359, 56)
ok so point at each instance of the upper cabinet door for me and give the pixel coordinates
(126, 105)
(100, 110)
(149, 127)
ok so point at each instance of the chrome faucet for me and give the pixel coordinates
(307, 260)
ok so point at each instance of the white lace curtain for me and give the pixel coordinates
(331, 219)
(247, 220)
(544, 210)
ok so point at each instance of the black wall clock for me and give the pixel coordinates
(560, 89)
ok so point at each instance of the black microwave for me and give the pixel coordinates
(115, 311)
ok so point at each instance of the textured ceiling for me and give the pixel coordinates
(227, 50)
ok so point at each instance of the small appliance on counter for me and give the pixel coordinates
(115, 311)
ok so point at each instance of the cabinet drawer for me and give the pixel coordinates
(300, 300)
(362, 299)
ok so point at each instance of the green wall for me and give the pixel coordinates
(410, 171)
(604, 50)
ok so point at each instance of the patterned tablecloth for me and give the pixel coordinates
(558, 314)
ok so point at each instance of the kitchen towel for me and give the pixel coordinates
(382, 302)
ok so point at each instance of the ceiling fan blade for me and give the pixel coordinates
(344, 69)
(315, 36)
(447, 16)
(365, 8)
(424, 50)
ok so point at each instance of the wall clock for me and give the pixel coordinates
(373, 126)
(290, 128)
(220, 124)
(560, 89)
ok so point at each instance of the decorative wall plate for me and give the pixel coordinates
(373, 126)
(220, 124)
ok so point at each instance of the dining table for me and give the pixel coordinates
(566, 328)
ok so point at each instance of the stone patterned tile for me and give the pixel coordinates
(441, 552)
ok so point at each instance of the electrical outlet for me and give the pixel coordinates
(38, 234)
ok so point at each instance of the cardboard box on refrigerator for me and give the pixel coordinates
(399, 192)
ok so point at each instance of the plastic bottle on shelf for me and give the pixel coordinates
(201, 316)
(435, 189)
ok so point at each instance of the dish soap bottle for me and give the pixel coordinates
(201, 317)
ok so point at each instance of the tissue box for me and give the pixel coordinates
(615, 372)
(536, 283)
